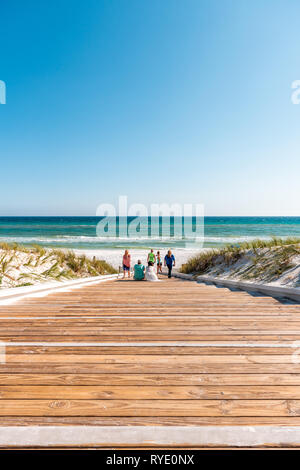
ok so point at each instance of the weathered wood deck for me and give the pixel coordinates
(103, 364)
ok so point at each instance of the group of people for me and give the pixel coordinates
(148, 273)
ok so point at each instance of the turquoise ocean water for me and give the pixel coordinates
(81, 233)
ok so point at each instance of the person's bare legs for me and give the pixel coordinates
(124, 273)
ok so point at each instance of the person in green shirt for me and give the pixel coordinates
(139, 271)
(151, 257)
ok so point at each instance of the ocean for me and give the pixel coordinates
(81, 232)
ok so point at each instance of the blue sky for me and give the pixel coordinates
(163, 101)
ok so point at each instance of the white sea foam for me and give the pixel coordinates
(73, 239)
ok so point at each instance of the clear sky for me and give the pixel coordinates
(161, 100)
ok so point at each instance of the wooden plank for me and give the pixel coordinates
(109, 392)
(184, 331)
(125, 338)
(149, 421)
(113, 325)
(147, 379)
(152, 368)
(150, 408)
(149, 322)
(111, 379)
(151, 350)
(187, 360)
(121, 303)
(56, 314)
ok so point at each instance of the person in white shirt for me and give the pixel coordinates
(150, 274)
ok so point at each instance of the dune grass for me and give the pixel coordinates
(20, 266)
(264, 260)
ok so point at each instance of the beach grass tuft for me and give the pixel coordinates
(21, 266)
(257, 260)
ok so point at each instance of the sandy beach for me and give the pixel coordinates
(114, 256)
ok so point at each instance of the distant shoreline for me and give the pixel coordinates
(79, 233)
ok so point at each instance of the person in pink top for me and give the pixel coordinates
(126, 263)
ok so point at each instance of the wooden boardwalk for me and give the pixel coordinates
(121, 356)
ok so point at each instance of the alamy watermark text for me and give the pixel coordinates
(295, 97)
(2, 92)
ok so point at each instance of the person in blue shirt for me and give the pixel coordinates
(139, 271)
(169, 262)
